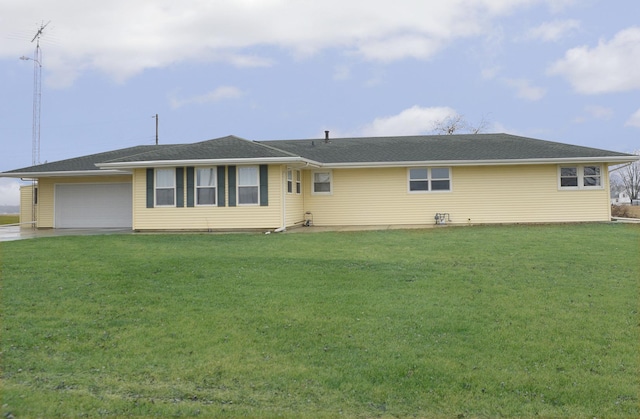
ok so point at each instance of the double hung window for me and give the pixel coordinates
(248, 185)
(206, 186)
(298, 182)
(165, 187)
(289, 181)
(580, 177)
(322, 183)
(429, 179)
(294, 176)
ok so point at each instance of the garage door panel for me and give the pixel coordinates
(93, 205)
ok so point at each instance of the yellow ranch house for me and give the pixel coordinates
(231, 183)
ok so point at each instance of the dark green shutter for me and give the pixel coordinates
(221, 186)
(231, 172)
(150, 191)
(190, 187)
(179, 187)
(264, 185)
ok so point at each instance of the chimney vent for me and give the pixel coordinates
(326, 136)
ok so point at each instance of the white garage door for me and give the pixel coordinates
(106, 205)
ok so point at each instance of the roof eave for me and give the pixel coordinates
(207, 162)
(497, 162)
(65, 173)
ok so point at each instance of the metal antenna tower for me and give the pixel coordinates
(37, 94)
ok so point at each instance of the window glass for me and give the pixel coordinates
(419, 173)
(165, 187)
(322, 182)
(419, 185)
(440, 179)
(165, 178)
(248, 176)
(248, 185)
(205, 186)
(206, 177)
(164, 197)
(568, 177)
(289, 181)
(425, 179)
(581, 177)
(568, 182)
(440, 185)
(592, 171)
(248, 195)
(206, 196)
(419, 179)
(591, 176)
(440, 173)
(298, 182)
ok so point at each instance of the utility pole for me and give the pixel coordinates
(156, 117)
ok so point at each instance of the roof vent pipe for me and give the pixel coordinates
(326, 136)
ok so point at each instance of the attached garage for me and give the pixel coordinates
(93, 205)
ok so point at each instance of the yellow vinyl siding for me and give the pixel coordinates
(46, 188)
(26, 206)
(482, 194)
(207, 217)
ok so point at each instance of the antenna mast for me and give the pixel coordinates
(37, 95)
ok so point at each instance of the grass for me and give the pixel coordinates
(455, 322)
(9, 219)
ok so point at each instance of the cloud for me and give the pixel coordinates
(553, 31)
(608, 67)
(412, 121)
(9, 191)
(217, 95)
(599, 112)
(341, 72)
(122, 38)
(634, 120)
(594, 112)
(525, 90)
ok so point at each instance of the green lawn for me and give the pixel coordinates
(9, 219)
(450, 322)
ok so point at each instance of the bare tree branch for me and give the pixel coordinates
(457, 124)
(628, 178)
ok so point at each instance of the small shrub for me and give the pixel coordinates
(625, 211)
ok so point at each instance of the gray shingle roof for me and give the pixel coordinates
(385, 150)
(472, 147)
(230, 147)
(85, 163)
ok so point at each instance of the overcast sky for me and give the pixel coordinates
(560, 70)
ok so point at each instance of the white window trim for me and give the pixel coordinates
(238, 186)
(215, 187)
(313, 176)
(290, 181)
(581, 176)
(429, 180)
(156, 188)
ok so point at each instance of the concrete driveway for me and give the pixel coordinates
(11, 233)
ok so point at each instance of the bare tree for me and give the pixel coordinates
(630, 177)
(457, 124)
